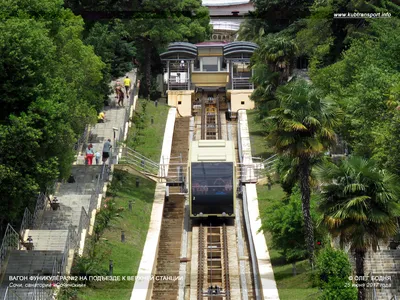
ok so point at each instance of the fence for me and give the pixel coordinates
(41, 204)
(70, 245)
(10, 242)
(27, 222)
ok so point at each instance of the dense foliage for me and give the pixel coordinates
(332, 275)
(284, 220)
(354, 63)
(49, 89)
(147, 25)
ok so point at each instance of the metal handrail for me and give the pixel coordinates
(40, 207)
(14, 295)
(374, 297)
(10, 242)
(27, 221)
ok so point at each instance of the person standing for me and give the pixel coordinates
(89, 154)
(127, 84)
(121, 99)
(106, 150)
(97, 155)
(118, 89)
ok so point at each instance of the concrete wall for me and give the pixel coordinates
(210, 78)
(182, 100)
(239, 96)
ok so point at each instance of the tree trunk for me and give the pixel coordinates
(294, 270)
(304, 177)
(359, 256)
(148, 69)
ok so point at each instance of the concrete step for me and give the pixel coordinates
(48, 240)
(69, 212)
(85, 181)
(34, 262)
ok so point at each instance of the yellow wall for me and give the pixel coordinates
(212, 51)
(185, 99)
(237, 96)
(210, 78)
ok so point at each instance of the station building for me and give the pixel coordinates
(209, 70)
(215, 69)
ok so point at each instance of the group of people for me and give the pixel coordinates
(90, 154)
(119, 94)
(101, 118)
(119, 91)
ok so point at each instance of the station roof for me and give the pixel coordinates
(224, 2)
(182, 50)
(237, 48)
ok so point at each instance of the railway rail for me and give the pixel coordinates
(213, 263)
(211, 128)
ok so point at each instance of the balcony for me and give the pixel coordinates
(242, 84)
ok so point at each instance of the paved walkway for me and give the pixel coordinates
(113, 127)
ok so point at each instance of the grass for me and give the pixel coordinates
(289, 287)
(125, 256)
(148, 141)
(258, 141)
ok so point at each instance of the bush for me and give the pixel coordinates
(332, 275)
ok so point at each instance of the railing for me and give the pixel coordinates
(69, 245)
(142, 163)
(182, 84)
(373, 287)
(242, 84)
(82, 140)
(83, 224)
(27, 222)
(41, 204)
(11, 295)
(10, 242)
(41, 293)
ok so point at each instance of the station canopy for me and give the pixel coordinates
(224, 2)
(188, 51)
(180, 50)
(239, 49)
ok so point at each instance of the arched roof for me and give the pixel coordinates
(184, 50)
(241, 47)
(224, 2)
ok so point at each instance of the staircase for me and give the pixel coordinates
(69, 212)
(179, 152)
(169, 248)
(384, 263)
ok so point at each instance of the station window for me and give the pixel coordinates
(210, 64)
(242, 102)
(179, 102)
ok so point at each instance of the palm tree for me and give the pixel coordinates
(302, 129)
(359, 206)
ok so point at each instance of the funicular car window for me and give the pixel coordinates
(212, 187)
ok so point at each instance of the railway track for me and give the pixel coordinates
(213, 263)
(210, 119)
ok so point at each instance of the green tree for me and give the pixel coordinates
(285, 222)
(180, 21)
(359, 206)
(333, 270)
(49, 90)
(302, 127)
